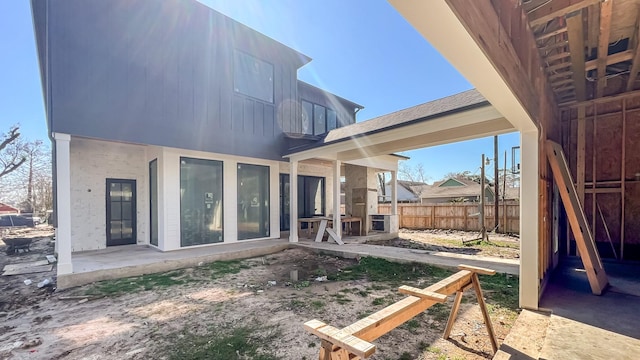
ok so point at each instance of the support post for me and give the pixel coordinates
(63, 202)
(293, 201)
(529, 242)
(496, 186)
(337, 226)
(394, 193)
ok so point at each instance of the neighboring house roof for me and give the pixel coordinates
(406, 190)
(4, 208)
(447, 189)
(511, 193)
(463, 101)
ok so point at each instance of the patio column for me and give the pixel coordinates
(529, 219)
(63, 202)
(394, 193)
(293, 200)
(336, 198)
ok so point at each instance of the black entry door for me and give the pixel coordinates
(121, 212)
(311, 197)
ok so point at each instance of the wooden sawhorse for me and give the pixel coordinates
(354, 341)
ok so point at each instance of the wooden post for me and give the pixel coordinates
(504, 192)
(623, 176)
(496, 196)
(483, 229)
(453, 314)
(485, 312)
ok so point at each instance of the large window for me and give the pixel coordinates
(252, 77)
(153, 201)
(317, 119)
(200, 201)
(332, 122)
(253, 201)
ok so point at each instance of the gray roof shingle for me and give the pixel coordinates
(451, 104)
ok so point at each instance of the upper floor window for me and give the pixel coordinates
(252, 76)
(317, 119)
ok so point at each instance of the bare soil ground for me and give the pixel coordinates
(455, 241)
(247, 309)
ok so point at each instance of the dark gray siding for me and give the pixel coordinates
(161, 72)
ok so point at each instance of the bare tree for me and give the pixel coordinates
(12, 154)
(413, 173)
(29, 184)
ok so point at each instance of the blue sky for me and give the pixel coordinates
(362, 50)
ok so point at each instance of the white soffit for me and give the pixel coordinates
(437, 23)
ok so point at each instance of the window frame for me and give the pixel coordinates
(237, 90)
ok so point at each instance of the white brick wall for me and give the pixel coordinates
(92, 163)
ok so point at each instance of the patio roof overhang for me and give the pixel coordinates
(450, 127)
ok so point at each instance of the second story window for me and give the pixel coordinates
(317, 119)
(252, 76)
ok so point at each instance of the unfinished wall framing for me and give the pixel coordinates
(602, 140)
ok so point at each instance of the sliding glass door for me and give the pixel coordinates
(253, 201)
(200, 201)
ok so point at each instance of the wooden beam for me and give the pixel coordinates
(423, 294)
(606, 9)
(611, 59)
(605, 99)
(485, 312)
(577, 219)
(453, 314)
(581, 150)
(560, 76)
(554, 46)
(635, 62)
(552, 58)
(561, 82)
(477, 270)
(576, 46)
(623, 175)
(593, 30)
(352, 344)
(551, 34)
(557, 8)
(553, 68)
(383, 321)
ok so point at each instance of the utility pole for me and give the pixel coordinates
(495, 183)
(483, 228)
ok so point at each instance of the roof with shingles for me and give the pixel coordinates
(466, 100)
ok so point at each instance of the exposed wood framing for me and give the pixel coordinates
(581, 153)
(603, 44)
(594, 173)
(557, 8)
(562, 55)
(623, 175)
(584, 238)
(593, 15)
(635, 62)
(551, 34)
(611, 59)
(554, 46)
(602, 100)
(576, 44)
(553, 68)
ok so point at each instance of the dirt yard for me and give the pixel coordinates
(460, 242)
(248, 309)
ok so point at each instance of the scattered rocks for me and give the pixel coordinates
(31, 343)
(41, 319)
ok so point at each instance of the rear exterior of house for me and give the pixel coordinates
(170, 122)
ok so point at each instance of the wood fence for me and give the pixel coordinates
(462, 216)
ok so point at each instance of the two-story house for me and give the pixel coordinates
(169, 124)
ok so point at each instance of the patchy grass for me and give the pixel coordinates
(219, 269)
(232, 344)
(138, 283)
(375, 269)
(501, 290)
